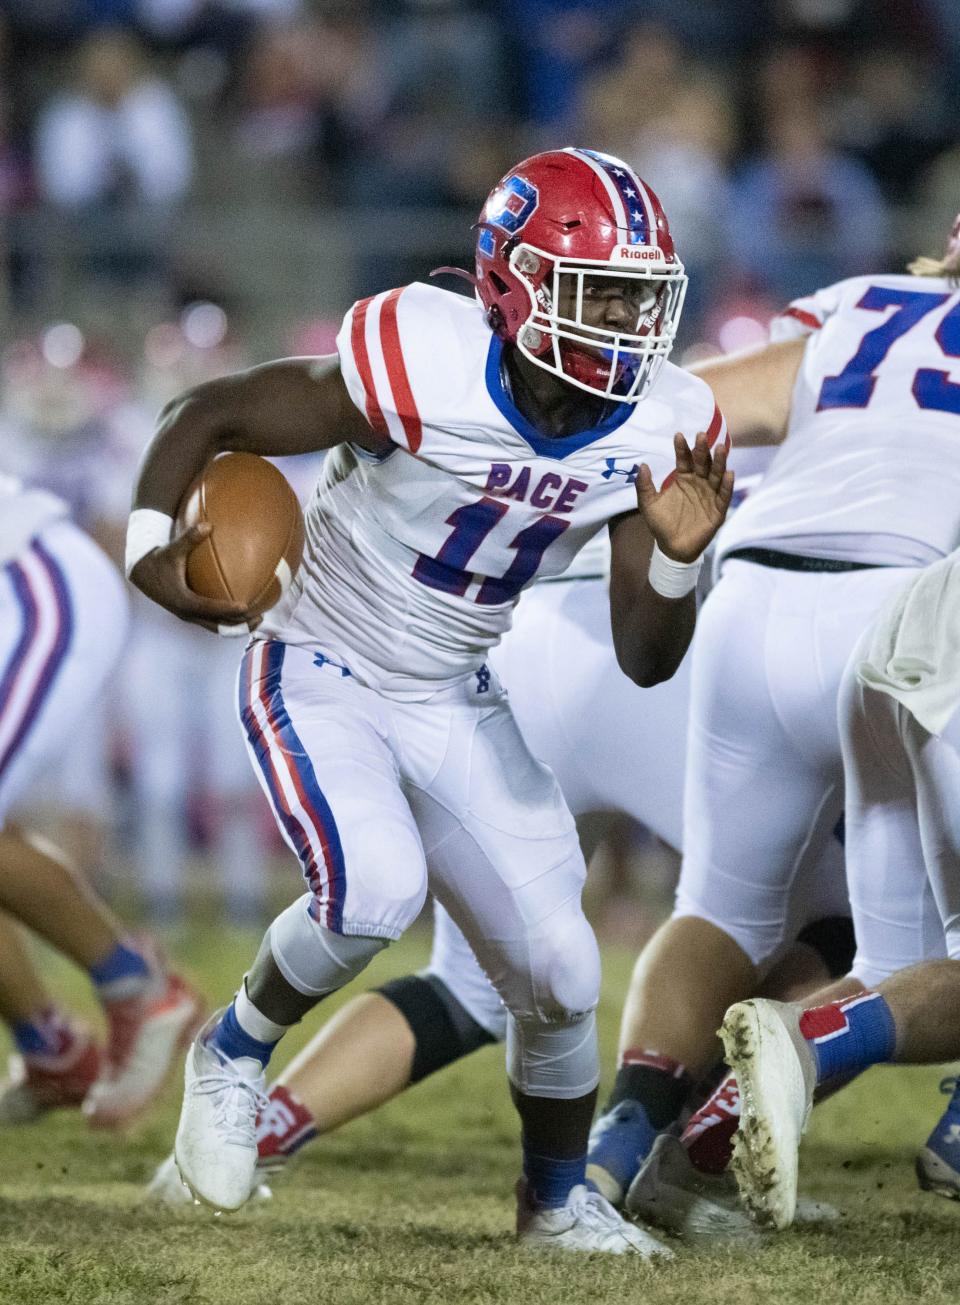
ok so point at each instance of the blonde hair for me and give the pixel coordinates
(946, 268)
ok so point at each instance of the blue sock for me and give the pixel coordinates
(47, 1034)
(233, 1041)
(620, 1141)
(549, 1180)
(850, 1035)
(123, 973)
(945, 1138)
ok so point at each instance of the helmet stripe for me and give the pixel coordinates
(634, 200)
(648, 201)
(620, 213)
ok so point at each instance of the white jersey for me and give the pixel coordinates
(870, 468)
(415, 560)
(23, 514)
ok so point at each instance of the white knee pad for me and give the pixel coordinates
(564, 967)
(551, 1031)
(315, 960)
(553, 1060)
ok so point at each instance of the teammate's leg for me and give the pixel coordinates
(319, 742)
(65, 609)
(783, 1053)
(57, 1059)
(935, 765)
(730, 915)
(763, 793)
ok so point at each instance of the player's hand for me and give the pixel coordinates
(685, 515)
(162, 576)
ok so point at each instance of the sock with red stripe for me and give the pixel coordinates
(848, 1036)
(648, 1094)
(708, 1136)
(660, 1084)
(284, 1126)
(48, 1034)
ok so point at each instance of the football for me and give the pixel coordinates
(256, 541)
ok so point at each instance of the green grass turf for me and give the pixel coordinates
(414, 1204)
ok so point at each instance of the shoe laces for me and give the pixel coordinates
(238, 1099)
(588, 1204)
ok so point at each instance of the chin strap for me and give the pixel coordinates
(455, 271)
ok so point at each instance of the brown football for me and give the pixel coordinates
(254, 549)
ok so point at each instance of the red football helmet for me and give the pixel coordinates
(550, 228)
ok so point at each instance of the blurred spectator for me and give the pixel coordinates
(16, 182)
(120, 136)
(805, 214)
(280, 95)
(181, 20)
(558, 42)
(115, 156)
(894, 119)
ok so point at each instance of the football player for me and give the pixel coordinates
(901, 1002)
(470, 442)
(623, 751)
(865, 488)
(63, 616)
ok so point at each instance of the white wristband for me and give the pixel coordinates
(672, 579)
(147, 529)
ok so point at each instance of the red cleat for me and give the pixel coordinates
(40, 1083)
(145, 1035)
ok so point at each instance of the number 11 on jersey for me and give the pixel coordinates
(471, 525)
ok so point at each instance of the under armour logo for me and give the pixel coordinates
(483, 680)
(613, 470)
(952, 1135)
(321, 660)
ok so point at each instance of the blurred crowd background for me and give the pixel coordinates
(187, 186)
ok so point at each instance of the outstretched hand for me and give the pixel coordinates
(687, 512)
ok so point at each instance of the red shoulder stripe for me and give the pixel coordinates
(802, 315)
(712, 431)
(715, 427)
(361, 356)
(403, 399)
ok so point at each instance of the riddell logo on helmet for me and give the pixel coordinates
(635, 251)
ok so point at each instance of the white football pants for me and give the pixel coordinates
(903, 830)
(764, 782)
(63, 621)
(378, 798)
(612, 746)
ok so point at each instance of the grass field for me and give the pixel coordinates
(414, 1204)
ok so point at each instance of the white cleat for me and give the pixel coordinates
(588, 1222)
(216, 1145)
(168, 1188)
(672, 1194)
(776, 1074)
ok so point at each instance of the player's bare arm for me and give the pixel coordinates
(295, 405)
(652, 632)
(753, 389)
